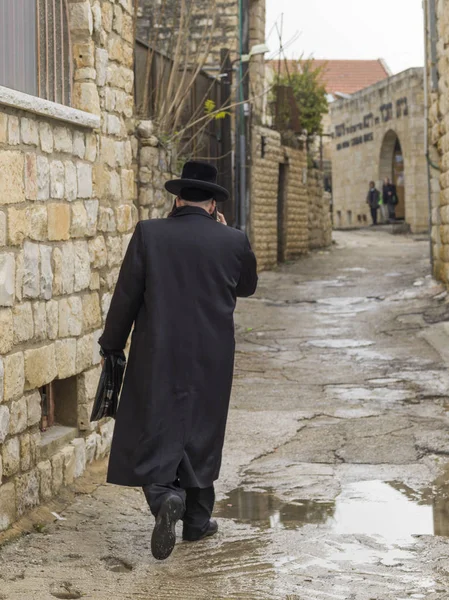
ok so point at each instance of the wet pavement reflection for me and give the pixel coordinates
(265, 510)
(391, 511)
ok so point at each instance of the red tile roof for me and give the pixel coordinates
(344, 76)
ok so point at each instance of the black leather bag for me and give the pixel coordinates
(109, 386)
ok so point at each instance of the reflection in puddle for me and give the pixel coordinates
(266, 510)
(390, 511)
(375, 508)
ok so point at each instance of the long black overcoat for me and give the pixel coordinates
(178, 285)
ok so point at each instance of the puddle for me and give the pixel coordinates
(356, 270)
(377, 509)
(346, 305)
(340, 282)
(362, 394)
(390, 512)
(267, 511)
(330, 343)
(345, 301)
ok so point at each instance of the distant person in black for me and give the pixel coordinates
(390, 198)
(373, 201)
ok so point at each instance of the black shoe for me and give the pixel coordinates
(164, 534)
(194, 537)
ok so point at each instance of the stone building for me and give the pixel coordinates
(341, 79)
(289, 212)
(377, 133)
(436, 14)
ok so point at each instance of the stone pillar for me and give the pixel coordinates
(155, 168)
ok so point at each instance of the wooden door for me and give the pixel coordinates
(282, 190)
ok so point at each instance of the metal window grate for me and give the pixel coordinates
(35, 52)
(48, 407)
(54, 64)
(18, 45)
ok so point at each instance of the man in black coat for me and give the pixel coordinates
(372, 199)
(178, 286)
(389, 196)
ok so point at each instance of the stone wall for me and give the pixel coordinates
(266, 156)
(289, 211)
(438, 139)
(67, 193)
(223, 22)
(296, 232)
(319, 216)
(366, 128)
(155, 168)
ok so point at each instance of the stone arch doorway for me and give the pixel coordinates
(392, 166)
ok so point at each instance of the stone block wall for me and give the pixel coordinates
(266, 156)
(67, 212)
(438, 138)
(154, 168)
(300, 219)
(319, 221)
(296, 208)
(223, 22)
(366, 127)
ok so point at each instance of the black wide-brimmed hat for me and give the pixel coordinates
(198, 177)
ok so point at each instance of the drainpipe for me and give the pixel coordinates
(429, 26)
(242, 186)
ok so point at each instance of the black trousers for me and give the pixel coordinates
(391, 210)
(374, 215)
(198, 503)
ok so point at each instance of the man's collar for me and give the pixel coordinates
(191, 210)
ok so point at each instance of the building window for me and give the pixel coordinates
(35, 52)
(339, 218)
(349, 217)
(59, 403)
(48, 407)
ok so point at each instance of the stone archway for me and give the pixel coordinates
(391, 165)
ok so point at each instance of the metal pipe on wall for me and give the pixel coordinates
(430, 39)
(241, 186)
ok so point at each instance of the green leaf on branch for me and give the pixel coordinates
(209, 106)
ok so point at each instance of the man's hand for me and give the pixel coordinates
(221, 219)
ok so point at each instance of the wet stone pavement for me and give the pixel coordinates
(335, 474)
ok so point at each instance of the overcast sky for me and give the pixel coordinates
(389, 29)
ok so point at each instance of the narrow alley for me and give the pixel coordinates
(333, 483)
